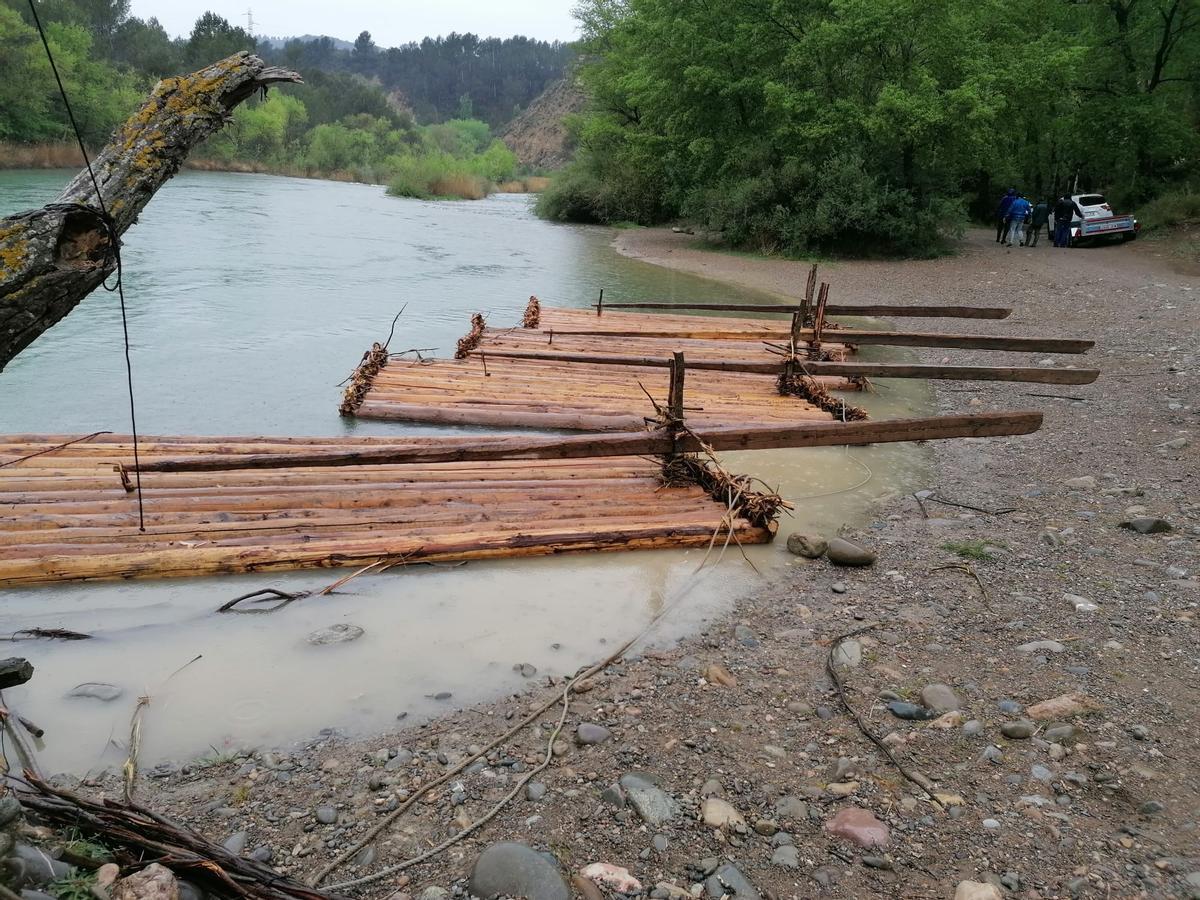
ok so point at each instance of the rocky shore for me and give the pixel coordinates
(1023, 647)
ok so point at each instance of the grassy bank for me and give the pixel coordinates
(417, 177)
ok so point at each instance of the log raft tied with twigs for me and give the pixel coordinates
(228, 505)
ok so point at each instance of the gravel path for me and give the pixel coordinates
(753, 779)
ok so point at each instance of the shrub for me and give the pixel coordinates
(1171, 210)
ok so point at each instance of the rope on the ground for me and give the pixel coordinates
(377, 829)
(87, 437)
(910, 774)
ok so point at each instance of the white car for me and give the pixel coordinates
(1099, 220)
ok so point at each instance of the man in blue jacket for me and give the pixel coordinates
(1002, 215)
(1018, 212)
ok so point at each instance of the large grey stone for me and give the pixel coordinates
(847, 553)
(1148, 525)
(514, 870)
(654, 805)
(38, 867)
(590, 733)
(810, 546)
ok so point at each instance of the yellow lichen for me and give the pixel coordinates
(14, 254)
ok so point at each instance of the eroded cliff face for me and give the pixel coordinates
(539, 134)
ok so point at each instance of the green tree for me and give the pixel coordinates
(212, 39)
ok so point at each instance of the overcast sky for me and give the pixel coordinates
(390, 23)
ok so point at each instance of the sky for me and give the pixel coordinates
(390, 23)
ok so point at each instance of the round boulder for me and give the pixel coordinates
(847, 553)
(514, 870)
(810, 546)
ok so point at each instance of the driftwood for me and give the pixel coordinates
(14, 671)
(142, 836)
(51, 258)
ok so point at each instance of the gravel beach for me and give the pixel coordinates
(1024, 647)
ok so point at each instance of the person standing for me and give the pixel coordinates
(1002, 215)
(1037, 221)
(1017, 214)
(1064, 211)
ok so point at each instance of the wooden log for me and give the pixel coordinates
(55, 256)
(855, 336)
(1033, 374)
(750, 437)
(894, 310)
(14, 671)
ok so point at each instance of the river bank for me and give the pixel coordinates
(734, 750)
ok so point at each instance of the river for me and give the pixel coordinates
(250, 298)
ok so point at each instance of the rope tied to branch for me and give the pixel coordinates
(799, 384)
(533, 314)
(363, 378)
(471, 339)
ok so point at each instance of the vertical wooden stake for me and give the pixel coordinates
(675, 398)
(483, 359)
(819, 317)
(806, 305)
(797, 326)
(600, 305)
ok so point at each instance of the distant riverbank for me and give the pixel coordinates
(65, 155)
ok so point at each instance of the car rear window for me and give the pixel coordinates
(1091, 200)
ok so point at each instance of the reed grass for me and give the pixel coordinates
(59, 155)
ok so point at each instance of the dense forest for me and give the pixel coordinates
(416, 116)
(851, 125)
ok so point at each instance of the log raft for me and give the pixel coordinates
(65, 514)
(223, 505)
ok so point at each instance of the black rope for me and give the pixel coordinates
(114, 248)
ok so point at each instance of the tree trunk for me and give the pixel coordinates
(51, 258)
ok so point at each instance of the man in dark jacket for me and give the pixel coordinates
(1006, 203)
(1064, 211)
(1041, 215)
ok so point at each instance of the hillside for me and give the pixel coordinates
(538, 135)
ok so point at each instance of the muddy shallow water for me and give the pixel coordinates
(250, 298)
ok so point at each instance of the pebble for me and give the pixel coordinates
(1150, 807)
(659, 842)
(977, 890)
(326, 815)
(1041, 773)
(848, 654)
(1062, 707)
(992, 754)
(718, 813)
(973, 728)
(791, 807)
(96, 690)
(588, 733)
(766, 827)
(859, 826)
(515, 870)
(911, 711)
(263, 854)
(1020, 730)
(847, 553)
(1139, 732)
(236, 842)
(37, 866)
(728, 880)
(525, 670)
(786, 856)
(1083, 483)
(535, 791)
(876, 862)
(652, 804)
(990, 824)
(1057, 734)
(810, 546)
(401, 760)
(1148, 525)
(940, 698)
(1080, 604)
(838, 587)
(10, 809)
(615, 878)
(341, 633)
(745, 636)
(1012, 707)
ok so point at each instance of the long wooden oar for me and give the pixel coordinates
(1033, 374)
(854, 336)
(838, 309)
(735, 437)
